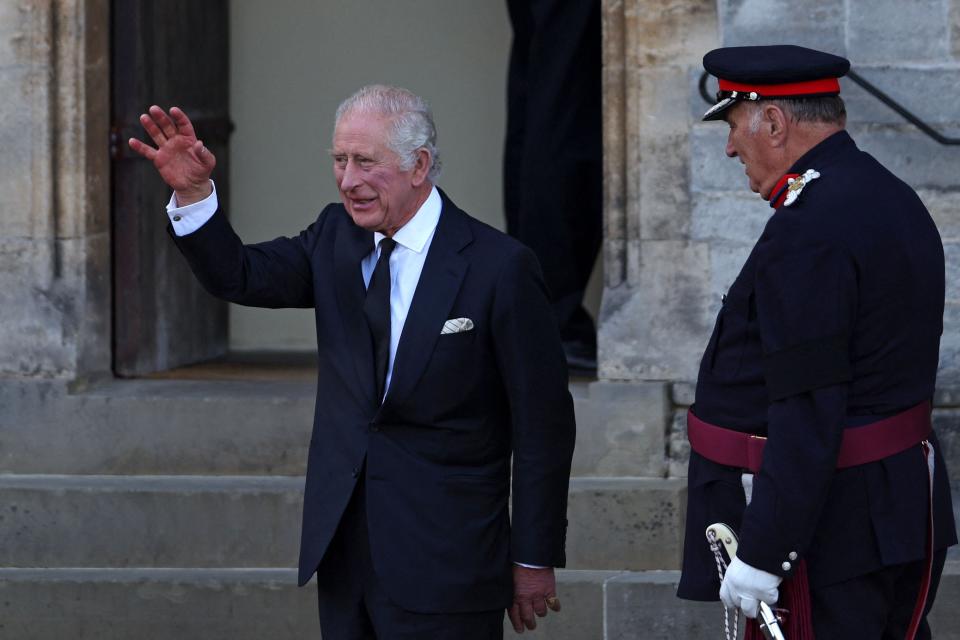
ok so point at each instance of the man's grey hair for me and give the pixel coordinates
(410, 115)
(821, 110)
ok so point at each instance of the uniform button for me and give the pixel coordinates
(786, 566)
(356, 472)
(177, 218)
(792, 555)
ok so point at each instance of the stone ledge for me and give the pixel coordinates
(264, 427)
(157, 521)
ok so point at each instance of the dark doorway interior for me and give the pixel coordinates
(166, 53)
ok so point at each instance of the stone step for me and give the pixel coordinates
(253, 427)
(254, 521)
(242, 604)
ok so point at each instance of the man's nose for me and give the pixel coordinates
(731, 152)
(348, 179)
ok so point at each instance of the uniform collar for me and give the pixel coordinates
(817, 157)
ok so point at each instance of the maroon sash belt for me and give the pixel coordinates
(860, 445)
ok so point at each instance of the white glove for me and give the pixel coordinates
(744, 586)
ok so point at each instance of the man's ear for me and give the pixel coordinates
(775, 123)
(421, 167)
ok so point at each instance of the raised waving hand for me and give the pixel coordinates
(180, 159)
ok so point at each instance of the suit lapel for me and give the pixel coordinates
(356, 357)
(433, 299)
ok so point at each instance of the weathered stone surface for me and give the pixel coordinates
(34, 307)
(24, 163)
(948, 374)
(946, 423)
(263, 427)
(94, 319)
(664, 191)
(679, 451)
(951, 254)
(683, 393)
(72, 521)
(150, 521)
(644, 606)
(725, 216)
(621, 430)
(955, 28)
(626, 523)
(245, 604)
(654, 330)
(911, 86)
(817, 23)
(898, 31)
(158, 604)
(911, 155)
(664, 198)
(239, 604)
(944, 207)
(710, 168)
(156, 427)
(24, 33)
(670, 32)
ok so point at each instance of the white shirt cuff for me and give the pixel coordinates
(186, 220)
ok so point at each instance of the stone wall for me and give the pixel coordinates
(54, 189)
(680, 219)
(653, 313)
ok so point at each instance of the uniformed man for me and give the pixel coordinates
(826, 346)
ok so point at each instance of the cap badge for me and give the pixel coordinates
(796, 185)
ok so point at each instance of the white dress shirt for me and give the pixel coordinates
(406, 262)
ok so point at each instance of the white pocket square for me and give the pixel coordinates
(456, 325)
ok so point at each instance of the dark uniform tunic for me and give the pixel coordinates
(833, 322)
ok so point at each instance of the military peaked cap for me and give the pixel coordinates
(777, 71)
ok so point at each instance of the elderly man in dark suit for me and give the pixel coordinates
(439, 361)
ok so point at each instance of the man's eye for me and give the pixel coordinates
(340, 160)
(364, 162)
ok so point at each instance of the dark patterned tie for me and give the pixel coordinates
(377, 309)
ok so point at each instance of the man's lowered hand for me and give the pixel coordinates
(534, 591)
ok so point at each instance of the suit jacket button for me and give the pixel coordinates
(356, 472)
(786, 566)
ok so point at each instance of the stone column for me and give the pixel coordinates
(54, 189)
(654, 303)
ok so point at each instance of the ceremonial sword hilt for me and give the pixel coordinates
(721, 535)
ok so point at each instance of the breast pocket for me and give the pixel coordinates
(455, 340)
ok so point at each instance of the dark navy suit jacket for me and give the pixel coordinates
(437, 453)
(833, 322)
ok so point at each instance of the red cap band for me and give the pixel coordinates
(808, 88)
